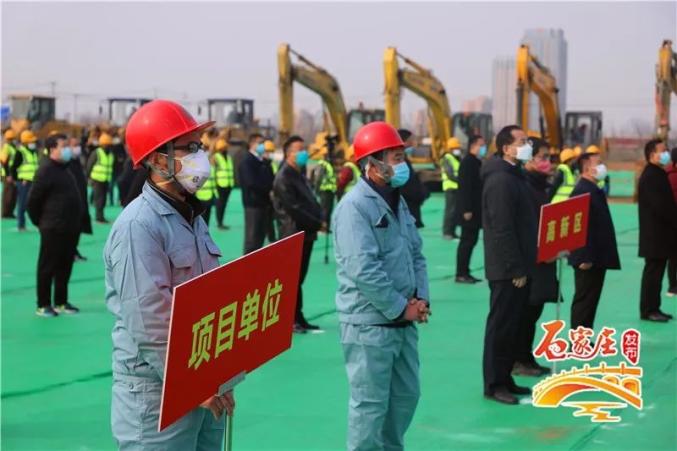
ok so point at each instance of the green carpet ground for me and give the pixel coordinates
(56, 372)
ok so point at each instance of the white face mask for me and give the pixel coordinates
(32, 146)
(524, 153)
(600, 171)
(195, 170)
(77, 151)
(457, 152)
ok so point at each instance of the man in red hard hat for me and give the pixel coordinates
(158, 242)
(382, 291)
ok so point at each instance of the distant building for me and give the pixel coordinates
(481, 104)
(504, 86)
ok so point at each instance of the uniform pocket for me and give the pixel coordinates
(126, 408)
(212, 248)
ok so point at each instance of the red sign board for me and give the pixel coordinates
(228, 321)
(563, 226)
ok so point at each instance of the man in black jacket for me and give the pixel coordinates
(414, 192)
(510, 234)
(600, 253)
(255, 176)
(469, 207)
(297, 210)
(75, 166)
(55, 207)
(657, 228)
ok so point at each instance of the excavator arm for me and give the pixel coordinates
(317, 80)
(423, 83)
(666, 84)
(532, 76)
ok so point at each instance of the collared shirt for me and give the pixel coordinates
(388, 193)
(190, 209)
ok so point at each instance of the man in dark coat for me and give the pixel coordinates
(657, 229)
(510, 234)
(75, 166)
(255, 176)
(543, 287)
(297, 210)
(55, 207)
(414, 192)
(469, 207)
(600, 253)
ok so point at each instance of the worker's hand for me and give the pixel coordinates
(229, 399)
(467, 216)
(218, 403)
(519, 282)
(417, 310)
(585, 266)
(424, 310)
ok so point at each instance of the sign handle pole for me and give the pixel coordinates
(326, 248)
(228, 434)
(559, 299)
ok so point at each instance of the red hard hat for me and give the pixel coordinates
(374, 137)
(155, 124)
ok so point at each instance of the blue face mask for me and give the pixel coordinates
(483, 151)
(665, 158)
(260, 149)
(409, 151)
(400, 175)
(302, 157)
(66, 154)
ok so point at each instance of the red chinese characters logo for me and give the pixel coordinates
(580, 346)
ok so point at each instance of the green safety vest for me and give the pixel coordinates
(328, 182)
(275, 166)
(29, 164)
(567, 186)
(447, 183)
(225, 178)
(208, 190)
(103, 169)
(8, 151)
(356, 175)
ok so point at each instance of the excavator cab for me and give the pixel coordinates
(583, 128)
(31, 110)
(231, 112)
(120, 109)
(360, 116)
(464, 125)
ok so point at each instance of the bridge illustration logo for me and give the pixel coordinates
(621, 381)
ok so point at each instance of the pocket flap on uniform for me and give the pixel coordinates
(212, 247)
(183, 257)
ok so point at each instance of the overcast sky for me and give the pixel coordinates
(200, 50)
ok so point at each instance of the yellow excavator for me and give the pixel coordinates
(38, 113)
(666, 84)
(340, 125)
(579, 128)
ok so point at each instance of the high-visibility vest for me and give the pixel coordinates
(103, 169)
(567, 186)
(275, 166)
(225, 178)
(356, 175)
(29, 164)
(328, 182)
(7, 156)
(208, 190)
(447, 183)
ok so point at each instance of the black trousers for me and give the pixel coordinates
(99, 192)
(55, 263)
(327, 204)
(221, 203)
(672, 274)
(469, 237)
(207, 205)
(586, 298)
(652, 278)
(271, 225)
(8, 199)
(305, 264)
(500, 337)
(257, 225)
(449, 225)
(527, 331)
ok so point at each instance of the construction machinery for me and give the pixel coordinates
(38, 113)
(579, 128)
(118, 110)
(339, 125)
(666, 85)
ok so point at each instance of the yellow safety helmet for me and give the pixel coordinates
(269, 146)
(28, 137)
(578, 151)
(566, 154)
(221, 144)
(204, 139)
(105, 139)
(593, 149)
(10, 134)
(453, 143)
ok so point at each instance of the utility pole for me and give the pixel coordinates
(75, 107)
(52, 85)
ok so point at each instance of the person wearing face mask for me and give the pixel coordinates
(449, 166)
(297, 210)
(255, 176)
(159, 241)
(225, 180)
(469, 207)
(7, 155)
(605, 184)
(23, 170)
(657, 228)
(75, 167)
(414, 192)
(510, 233)
(600, 253)
(382, 291)
(543, 287)
(100, 171)
(55, 207)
